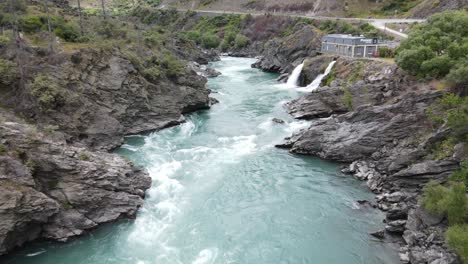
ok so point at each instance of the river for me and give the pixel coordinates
(222, 193)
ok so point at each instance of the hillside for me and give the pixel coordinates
(348, 8)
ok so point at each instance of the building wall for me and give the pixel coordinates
(361, 51)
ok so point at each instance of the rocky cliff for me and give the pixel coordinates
(283, 54)
(373, 116)
(61, 112)
(53, 190)
(100, 96)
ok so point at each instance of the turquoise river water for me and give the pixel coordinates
(223, 194)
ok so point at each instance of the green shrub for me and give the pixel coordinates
(4, 39)
(172, 65)
(462, 174)
(230, 37)
(444, 149)
(154, 39)
(194, 36)
(241, 41)
(434, 198)
(83, 156)
(3, 149)
(68, 33)
(30, 24)
(108, 29)
(451, 110)
(8, 72)
(438, 48)
(225, 45)
(458, 76)
(48, 93)
(457, 238)
(31, 165)
(347, 99)
(329, 78)
(210, 41)
(457, 204)
(152, 73)
(386, 52)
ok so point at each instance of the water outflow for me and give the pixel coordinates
(318, 80)
(294, 78)
(222, 193)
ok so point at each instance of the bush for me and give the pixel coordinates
(457, 204)
(210, 41)
(450, 202)
(30, 24)
(434, 198)
(172, 65)
(347, 99)
(385, 52)
(108, 29)
(83, 156)
(154, 39)
(68, 33)
(438, 48)
(152, 73)
(48, 93)
(444, 149)
(194, 36)
(462, 174)
(4, 39)
(241, 41)
(3, 149)
(457, 238)
(451, 110)
(8, 72)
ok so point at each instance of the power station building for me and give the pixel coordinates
(351, 46)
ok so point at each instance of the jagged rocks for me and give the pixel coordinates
(107, 97)
(279, 55)
(53, 190)
(386, 138)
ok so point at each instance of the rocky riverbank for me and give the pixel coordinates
(373, 116)
(58, 121)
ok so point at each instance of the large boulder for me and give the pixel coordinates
(53, 190)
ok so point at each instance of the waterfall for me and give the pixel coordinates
(318, 80)
(292, 80)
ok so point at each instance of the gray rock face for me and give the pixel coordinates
(106, 97)
(53, 190)
(281, 55)
(367, 84)
(386, 137)
(368, 130)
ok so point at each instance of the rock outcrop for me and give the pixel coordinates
(104, 97)
(374, 117)
(52, 190)
(57, 179)
(283, 54)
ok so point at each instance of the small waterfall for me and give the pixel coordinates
(318, 80)
(292, 80)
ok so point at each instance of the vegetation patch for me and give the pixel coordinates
(48, 93)
(438, 49)
(8, 72)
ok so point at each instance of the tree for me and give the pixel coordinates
(103, 6)
(81, 18)
(438, 48)
(49, 26)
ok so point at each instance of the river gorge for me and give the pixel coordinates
(222, 193)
